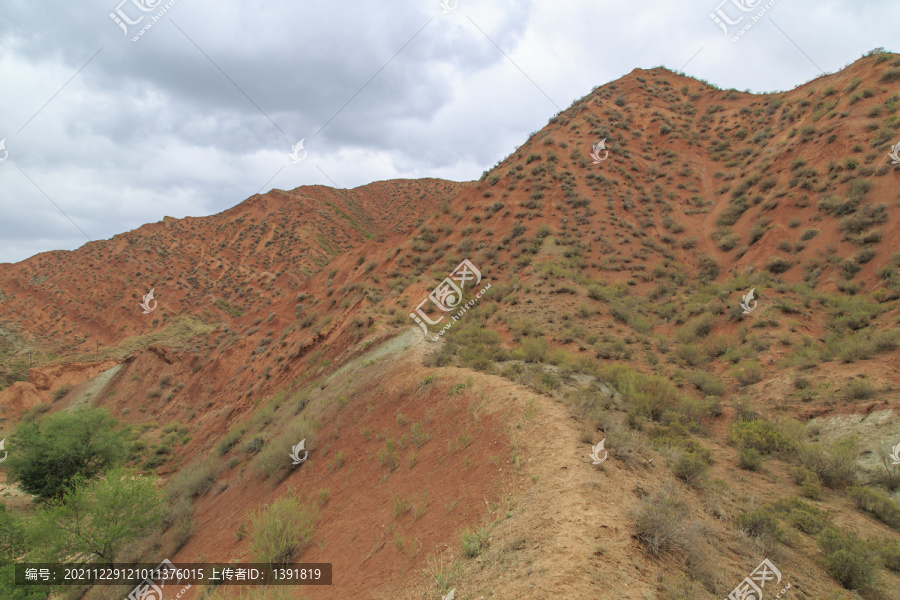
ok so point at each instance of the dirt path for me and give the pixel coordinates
(562, 530)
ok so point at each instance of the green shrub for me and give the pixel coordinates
(748, 373)
(877, 504)
(850, 560)
(545, 381)
(535, 349)
(661, 522)
(749, 459)
(890, 76)
(809, 482)
(853, 348)
(806, 522)
(254, 445)
(804, 516)
(760, 522)
(418, 435)
(864, 219)
(718, 345)
(96, 521)
(194, 480)
(274, 460)
(834, 205)
(778, 264)
(12, 547)
(732, 212)
(889, 550)
(695, 329)
(834, 466)
(388, 456)
(709, 384)
(263, 417)
(859, 389)
(757, 434)
(230, 440)
(474, 542)
(691, 354)
(676, 435)
(690, 467)
(281, 530)
(650, 396)
(46, 457)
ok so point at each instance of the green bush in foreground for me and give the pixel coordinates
(281, 530)
(46, 457)
(12, 546)
(95, 520)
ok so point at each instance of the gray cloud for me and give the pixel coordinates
(154, 128)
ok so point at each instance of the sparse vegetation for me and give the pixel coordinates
(877, 504)
(274, 460)
(661, 523)
(280, 531)
(194, 480)
(474, 541)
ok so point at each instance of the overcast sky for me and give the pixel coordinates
(104, 133)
